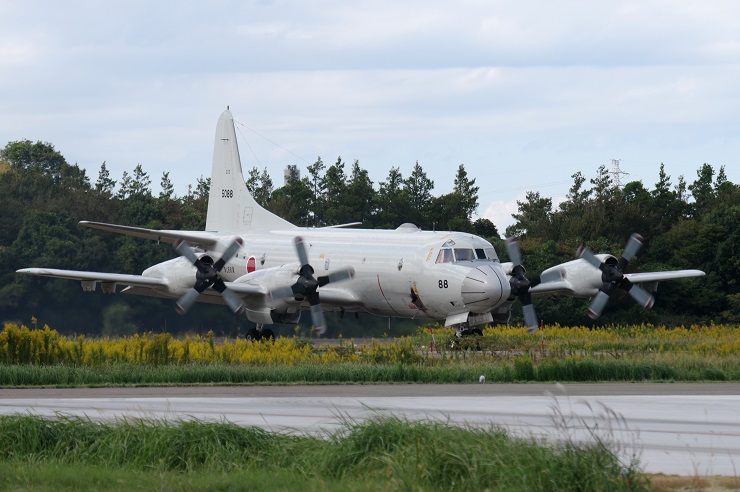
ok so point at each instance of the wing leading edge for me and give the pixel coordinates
(143, 285)
(102, 277)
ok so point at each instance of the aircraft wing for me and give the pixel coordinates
(638, 278)
(557, 287)
(102, 277)
(579, 279)
(196, 238)
(245, 291)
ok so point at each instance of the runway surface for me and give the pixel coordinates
(676, 429)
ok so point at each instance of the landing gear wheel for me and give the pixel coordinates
(254, 335)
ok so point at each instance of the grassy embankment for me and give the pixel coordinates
(42, 357)
(386, 454)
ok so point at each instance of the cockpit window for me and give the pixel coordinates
(445, 256)
(464, 254)
(491, 254)
(449, 255)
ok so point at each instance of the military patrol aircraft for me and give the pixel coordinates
(258, 263)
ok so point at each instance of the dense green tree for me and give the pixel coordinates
(360, 197)
(291, 201)
(318, 190)
(454, 211)
(447, 212)
(485, 228)
(667, 204)
(702, 190)
(334, 202)
(125, 186)
(635, 193)
(105, 185)
(140, 182)
(534, 217)
(466, 191)
(260, 186)
(392, 201)
(167, 189)
(39, 157)
(418, 189)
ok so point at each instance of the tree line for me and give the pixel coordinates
(687, 225)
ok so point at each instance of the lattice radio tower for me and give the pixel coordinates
(617, 173)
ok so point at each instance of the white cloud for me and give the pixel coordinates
(499, 212)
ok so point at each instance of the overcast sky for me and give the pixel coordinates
(524, 94)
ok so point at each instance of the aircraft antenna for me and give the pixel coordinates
(271, 141)
(244, 139)
(616, 173)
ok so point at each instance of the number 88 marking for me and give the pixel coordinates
(443, 284)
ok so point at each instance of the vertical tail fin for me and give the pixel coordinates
(231, 208)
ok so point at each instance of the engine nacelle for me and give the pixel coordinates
(179, 273)
(578, 277)
(273, 310)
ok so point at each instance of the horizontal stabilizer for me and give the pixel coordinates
(197, 238)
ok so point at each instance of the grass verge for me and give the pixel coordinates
(69, 453)
(521, 369)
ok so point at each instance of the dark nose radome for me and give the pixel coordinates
(485, 287)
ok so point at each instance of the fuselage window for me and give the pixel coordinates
(480, 253)
(445, 256)
(464, 254)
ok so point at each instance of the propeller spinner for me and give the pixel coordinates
(207, 276)
(307, 285)
(612, 276)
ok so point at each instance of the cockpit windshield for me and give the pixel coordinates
(445, 256)
(464, 254)
(450, 255)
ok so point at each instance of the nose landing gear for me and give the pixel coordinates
(260, 333)
(466, 338)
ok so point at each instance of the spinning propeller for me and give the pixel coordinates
(307, 285)
(207, 276)
(612, 275)
(520, 284)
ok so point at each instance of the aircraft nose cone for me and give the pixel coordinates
(484, 287)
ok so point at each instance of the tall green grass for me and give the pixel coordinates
(521, 369)
(382, 454)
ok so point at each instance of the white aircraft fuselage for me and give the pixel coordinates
(397, 273)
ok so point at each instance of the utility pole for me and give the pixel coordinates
(616, 173)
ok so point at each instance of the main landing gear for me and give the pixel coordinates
(260, 333)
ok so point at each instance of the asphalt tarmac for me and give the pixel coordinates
(674, 428)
